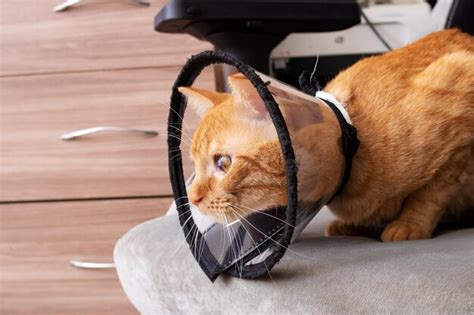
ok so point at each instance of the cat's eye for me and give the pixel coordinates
(222, 162)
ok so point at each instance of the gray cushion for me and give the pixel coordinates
(317, 275)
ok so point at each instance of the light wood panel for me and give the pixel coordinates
(97, 34)
(36, 165)
(37, 241)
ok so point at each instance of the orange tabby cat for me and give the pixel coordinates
(414, 112)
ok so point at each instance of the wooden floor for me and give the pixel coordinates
(100, 63)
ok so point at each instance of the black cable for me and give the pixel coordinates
(372, 27)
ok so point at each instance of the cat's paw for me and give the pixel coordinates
(403, 231)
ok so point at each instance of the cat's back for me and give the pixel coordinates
(427, 82)
(383, 80)
(416, 101)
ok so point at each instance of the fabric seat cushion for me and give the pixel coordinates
(317, 275)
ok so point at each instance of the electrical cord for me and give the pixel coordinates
(372, 27)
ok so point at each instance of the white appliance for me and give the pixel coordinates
(398, 22)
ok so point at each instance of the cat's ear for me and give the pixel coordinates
(201, 101)
(246, 96)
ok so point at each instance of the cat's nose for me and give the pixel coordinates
(195, 197)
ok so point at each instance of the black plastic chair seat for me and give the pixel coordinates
(251, 29)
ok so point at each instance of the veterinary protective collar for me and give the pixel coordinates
(256, 243)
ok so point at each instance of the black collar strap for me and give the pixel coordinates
(350, 142)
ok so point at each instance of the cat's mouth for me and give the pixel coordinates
(223, 212)
(225, 215)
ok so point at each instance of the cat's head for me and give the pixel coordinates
(238, 163)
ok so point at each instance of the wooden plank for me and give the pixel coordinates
(94, 35)
(36, 165)
(37, 241)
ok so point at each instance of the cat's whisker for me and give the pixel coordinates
(182, 132)
(181, 214)
(276, 242)
(240, 244)
(262, 212)
(187, 211)
(181, 117)
(175, 156)
(195, 239)
(178, 153)
(224, 234)
(184, 145)
(185, 222)
(179, 198)
(222, 237)
(250, 235)
(229, 235)
(237, 250)
(174, 111)
(201, 250)
(232, 223)
(179, 138)
(184, 240)
(181, 205)
(174, 150)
